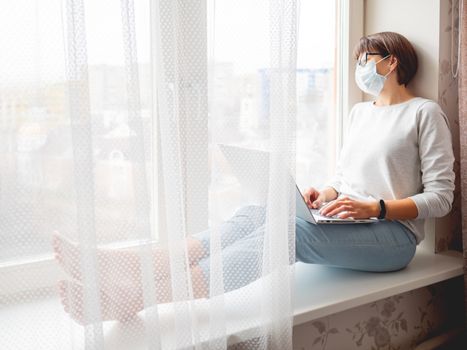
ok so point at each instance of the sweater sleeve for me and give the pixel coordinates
(437, 158)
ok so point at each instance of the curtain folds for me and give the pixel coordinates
(463, 129)
(153, 210)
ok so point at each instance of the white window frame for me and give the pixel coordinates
(21, 276)
(350, 30)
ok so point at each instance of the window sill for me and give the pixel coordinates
(362, 287)
(321, 291)
(318, 292)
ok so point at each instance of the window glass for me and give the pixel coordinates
(36, 153)
(238, 111)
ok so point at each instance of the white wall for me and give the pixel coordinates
(418, 21)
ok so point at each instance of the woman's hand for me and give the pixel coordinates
(314, 198)
(346, 207)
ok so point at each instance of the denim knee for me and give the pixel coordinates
(255, 214)
(245, 220)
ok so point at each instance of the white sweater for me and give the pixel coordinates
(396, 152)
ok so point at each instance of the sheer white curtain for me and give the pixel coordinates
(147, 157)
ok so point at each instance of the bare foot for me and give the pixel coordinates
(119, 264)
(126, 261)
(114, 304)
(118, 302)
(120, 280)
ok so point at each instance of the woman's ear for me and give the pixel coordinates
(393, 62)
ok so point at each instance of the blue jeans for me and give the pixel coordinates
(376, 247)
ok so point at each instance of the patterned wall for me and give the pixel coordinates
(449, 228)
(399, 322)
(463, 139)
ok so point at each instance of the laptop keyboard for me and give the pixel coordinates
(316, 212)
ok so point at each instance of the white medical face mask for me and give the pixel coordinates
(368, 79)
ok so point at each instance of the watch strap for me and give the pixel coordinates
(382, 212)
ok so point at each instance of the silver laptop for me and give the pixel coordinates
(245, 161)
(314, 217)
(249, 166)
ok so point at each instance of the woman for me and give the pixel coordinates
(396, 164)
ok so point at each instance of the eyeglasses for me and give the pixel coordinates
(364, 59)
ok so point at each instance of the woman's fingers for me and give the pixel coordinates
(338, 209)
(344, 208)
(308, 200)
(316, 203)
(347, 214)
(310, 195)
(334, 207)
(329, 207)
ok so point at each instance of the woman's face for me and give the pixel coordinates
(383, 66)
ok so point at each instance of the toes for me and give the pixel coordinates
(71, 294)
(57, 247)
(73, 298)
(62, 291)
(64, 246)
(67, 254)
(115, 304)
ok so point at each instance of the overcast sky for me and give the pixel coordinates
(33, 35)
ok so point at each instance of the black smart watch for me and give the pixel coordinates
(382, 212)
